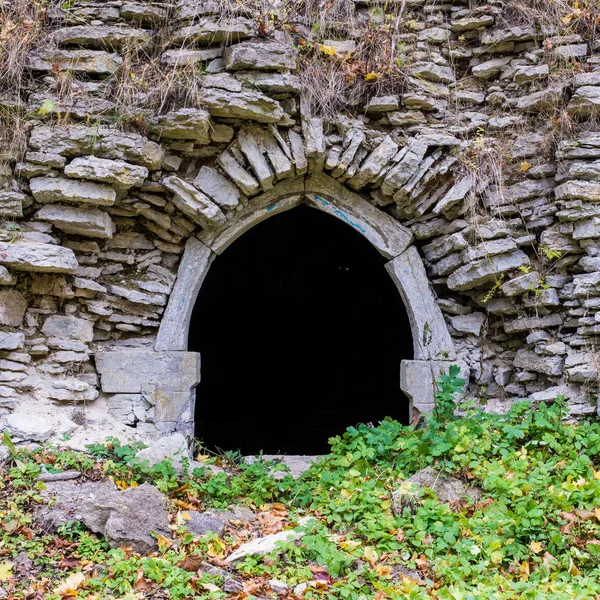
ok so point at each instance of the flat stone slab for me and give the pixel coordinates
(36, 257)
(90, 222)
(113, 172)
(57, 189)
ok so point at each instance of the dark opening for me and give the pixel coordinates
(301, 332)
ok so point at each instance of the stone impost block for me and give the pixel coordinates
(167, 380)
(418, 380)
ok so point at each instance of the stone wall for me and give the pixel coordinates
(488, 154)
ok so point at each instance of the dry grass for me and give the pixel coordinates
(22, 24)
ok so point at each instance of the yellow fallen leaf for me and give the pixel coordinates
(525, 166)
(597, 512)
(535, 547)
(370, 555)
(345, 493)
(71, 584)
(216, 548)
(5, 570)
(329, 50)
(384, 571)
(372, 76)
(163, 541)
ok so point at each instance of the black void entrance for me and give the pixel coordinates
(301, 332)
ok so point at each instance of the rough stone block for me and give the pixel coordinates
(114, 172)
(266, 56)
(90, 222)
(12, 308)
(418, 377)
(183, 124)
(55, 189)
(68, 327)
(31, 256)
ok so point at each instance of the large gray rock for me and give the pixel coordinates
(490, 68)
(57, 189)
(219, 188)
(485, 270)
(127, 518)
(114, 172)
(247, 104)
(43, 258)
(374, 164)
(200, 523)
(183, 124)
(62, 501)
(74, 328)
(12, 308)
(94, 62)
(433, 72)
(244, 180)
(266, 56)
(79, 140)
(105, 37)
(88, 222)
(541, 101)
(193, 203)
(446, 488)
(583, 190)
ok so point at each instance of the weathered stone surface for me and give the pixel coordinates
(447, 489)
(80, 221)
(183, 57)
(584, 190)
(490, 68)
(486, 269)
(541, 101)
(11, 341)
(264, 545)
(247, 104)
(31, 256)
(248, 139)
(127, 518)
(215, 31)
(136, 296)
(100, 36)
(266, 56)
(471, 323)
(138, 371)
(433, 72)
(528, 73)
(430, 334)
(386, 234)
(174, 447)
(374, 163)
(11, 203)
(193, 203)
(585, 102)
(418, 380)
(68, 327)
(219, 188)
(23, 425)
(94, 62)
(244, 180)
(63, 499)
(183, 124)
(115, 172)
(194, 265)
(56, 189)
(529, 323)
(522, 284)
(12, 308)
(530, 361)
(78, 140)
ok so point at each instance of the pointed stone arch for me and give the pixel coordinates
(433, 345)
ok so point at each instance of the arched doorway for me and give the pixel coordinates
(301, 332)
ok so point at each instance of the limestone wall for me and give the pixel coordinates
(149, 123)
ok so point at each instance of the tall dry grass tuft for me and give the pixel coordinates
(22, 25)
